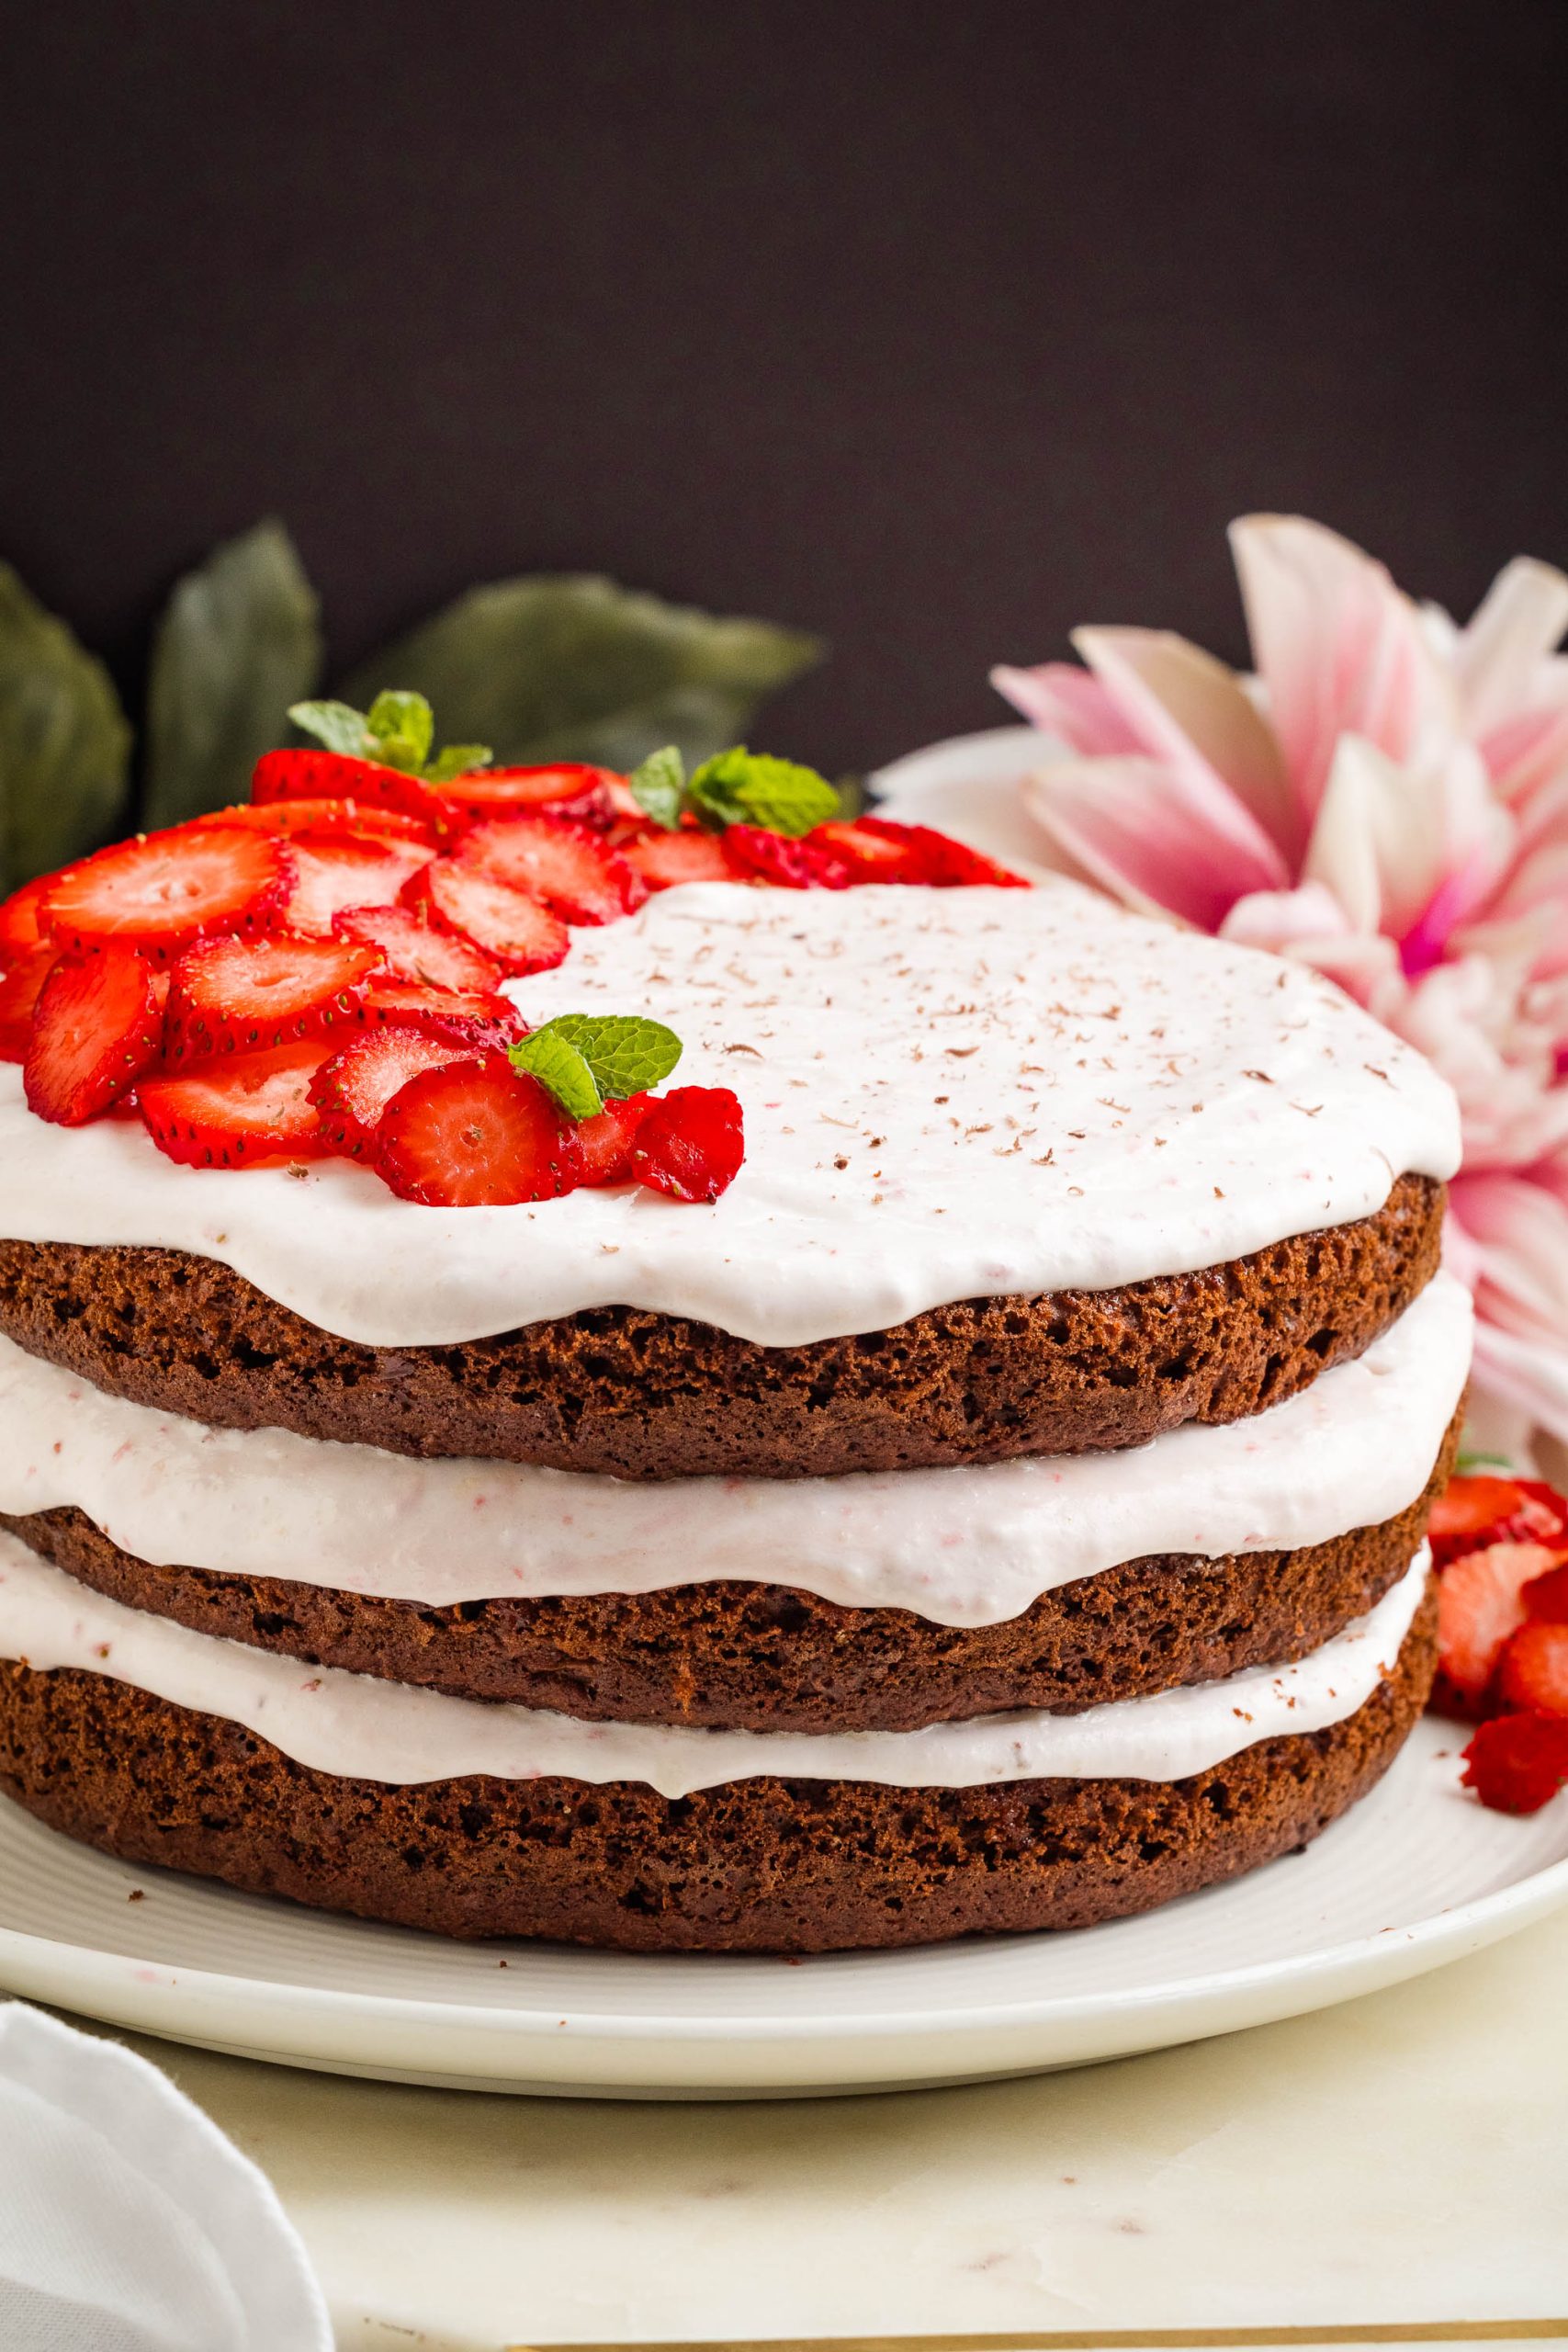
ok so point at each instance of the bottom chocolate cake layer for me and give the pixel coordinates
(760, 1865)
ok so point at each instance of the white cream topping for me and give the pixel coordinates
(361, 1728)
(948, 1094)
(968, 1547)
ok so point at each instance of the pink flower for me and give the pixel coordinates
(1386, 799)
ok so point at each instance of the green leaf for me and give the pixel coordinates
(742, 788)
(659, 786)
(334, 724)
(583, 1057)
(457, 759)
(546, 1055)
(403, 725)
(626, 1054)
(64, 743)
(574, 667)
(238, 643)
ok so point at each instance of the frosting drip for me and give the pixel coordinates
(357, 1727)
(966, 1546)
(948, 1094)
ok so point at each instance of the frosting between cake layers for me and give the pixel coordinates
(357, 1727)
(948, 1094)
(964, 1546)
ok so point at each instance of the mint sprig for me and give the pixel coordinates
(742, 788)
(397, 731)
(583, 1058)
(659, 786)
(736, 787)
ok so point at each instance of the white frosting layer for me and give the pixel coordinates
(948, 1094)
(965, 1546)
(360, 1729)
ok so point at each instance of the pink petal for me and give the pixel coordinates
(1520, 1227)
(1308, 925)
(1376, 843)
(1061, 699)
(1494, 1042)
(1410, 849)
(1426, 941)
(1339, 649)
(1527, 753)
(1498, 656)
(1278, 919)
(1190, 711)
(1154, 838)
(1536, 890)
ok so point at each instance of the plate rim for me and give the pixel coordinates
(1533, 1895)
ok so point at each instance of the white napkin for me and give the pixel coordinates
(128, 2222)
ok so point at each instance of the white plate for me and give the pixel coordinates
(1418, 1875)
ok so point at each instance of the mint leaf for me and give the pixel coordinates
(555, 1062)
(583, 1057)
(625, 1054)
(64, 744)
(659, 786)
(742, 788)
(403, 725)
(396, 732)
(457, 759)
(336, 725)
(238, 640)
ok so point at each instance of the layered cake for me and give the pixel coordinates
(995, 1501)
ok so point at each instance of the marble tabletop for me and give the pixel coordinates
(1392, 2170)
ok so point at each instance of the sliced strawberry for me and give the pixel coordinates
(1534, 1673)
(1472, 1512)
(626, 808)
(416, 951)
(1517, 1763)
(353, 1089)
(161, 891)
(568, 790)
(605, 1144)
(232, 996)
(787, 864)
(475, 1134)
(521, 934)
(566, 866)
(944, 863)
(20, 918)
(240, 1112)
(98, 1024)
(20, 992)
(331, 877)
(666, 860)
(690, 1143)
(870, 856)
(332, 775)
(332, 820)
(1480, 1604)
(473, 1016)
(1546, 1597)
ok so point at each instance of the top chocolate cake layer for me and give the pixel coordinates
(644, 1396)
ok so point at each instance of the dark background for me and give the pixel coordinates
(936, 329)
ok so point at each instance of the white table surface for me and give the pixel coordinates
(1399, 2165)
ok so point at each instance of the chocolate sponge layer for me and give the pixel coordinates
(748, 1657)
(764, 1865)
(643, 1396)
